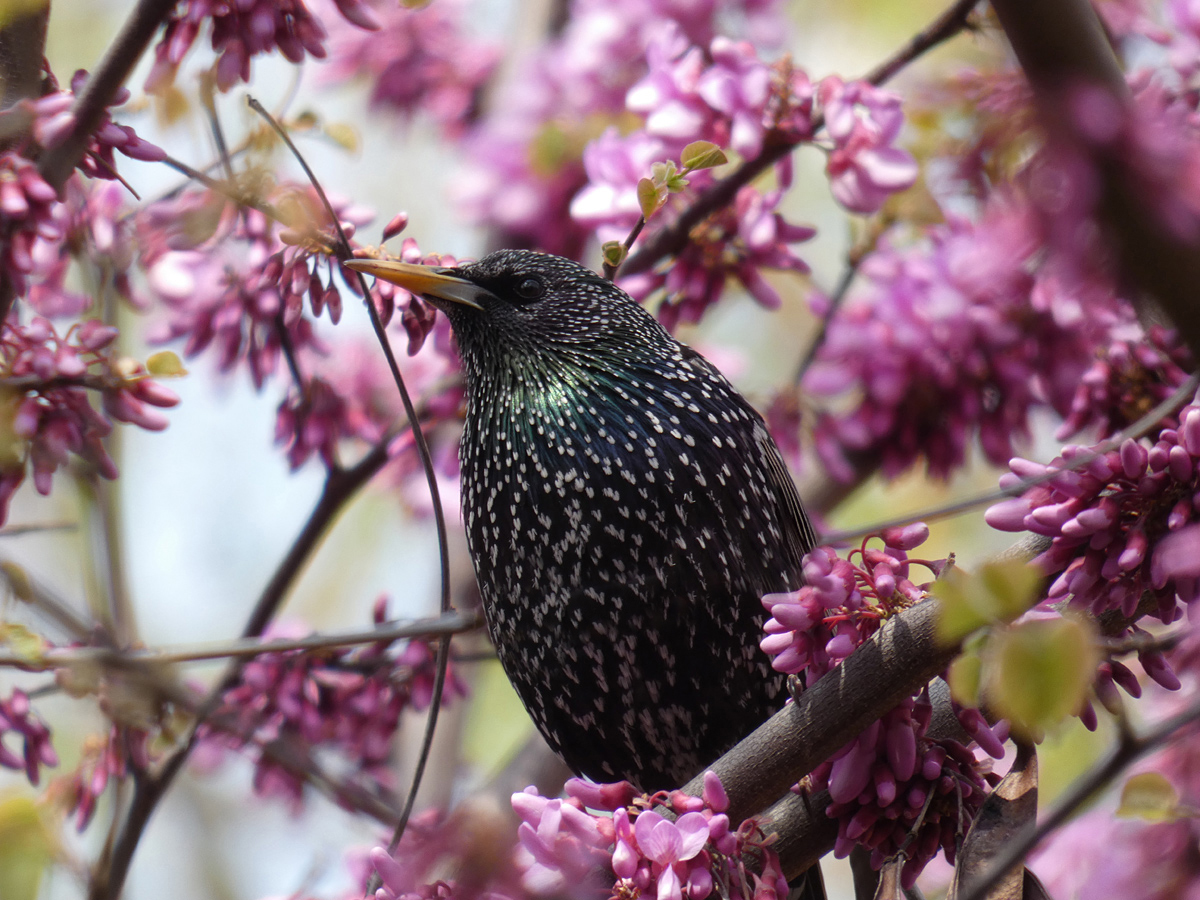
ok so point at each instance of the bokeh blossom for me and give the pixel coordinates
(894, 787)
(245, 29)
(343, 699)
(525, 157)
(421, 59)
(964, 335)
(628, 849)
(865, 167)
(20, 724)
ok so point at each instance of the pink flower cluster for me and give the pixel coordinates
(865, 167)
(965, 334)
(1129, 377)
(45, 378)
(239, 282)
(349, 700)
(244, 29)
(17, 718)
(525, 157)
(1119, 522)
(420, 60)
(27, 207)
(893, 788)
(104, 759)
(53, 119)
(637, 852)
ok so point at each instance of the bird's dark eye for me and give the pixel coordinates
(530, 288)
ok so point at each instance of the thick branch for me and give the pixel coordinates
(904, 655)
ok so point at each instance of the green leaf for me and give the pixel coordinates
(702, 155)
(1149, 796)
(965, 677)
(24, 643)
(650, 197)
(1039, 672)
(18, 581)
(344, 135)
(999, 592)
(27, 847)
(614, 253)
(165, 364)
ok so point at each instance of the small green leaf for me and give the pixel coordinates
(24, 643)
(964, 678)
(650, 197)
(614, 253)
(999, 592)
(27, 847)
(18, 581)
(702, 155)
(1149, 796)
(165, 364)
(1039, 672)
(344, 135)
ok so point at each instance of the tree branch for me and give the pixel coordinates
(102, 85)
(901, 657)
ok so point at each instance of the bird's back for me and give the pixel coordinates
(624, 522)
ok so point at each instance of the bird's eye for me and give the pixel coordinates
(530, 288)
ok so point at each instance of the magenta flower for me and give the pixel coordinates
(892, 786)
(864, 168)
(671, 846)
(18, 718)
(51, 417)
(243, 30)
(561, 845)
(348, 700)
(420, 60)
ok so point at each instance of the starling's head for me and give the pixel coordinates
(515, 303)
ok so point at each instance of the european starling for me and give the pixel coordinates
(625, 509)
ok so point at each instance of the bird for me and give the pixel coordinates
(625, 509)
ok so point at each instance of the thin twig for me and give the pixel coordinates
(443, 656)
(340, 486)
(102, 85)
(610, 271)
(34, 528)
(836, 299)
(439, 626)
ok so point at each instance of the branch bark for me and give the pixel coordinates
(903, 655)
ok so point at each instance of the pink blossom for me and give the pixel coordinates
(243, 30)
(18, 718)
(420, 60)
(865, 167)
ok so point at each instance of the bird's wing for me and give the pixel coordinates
(795, 520)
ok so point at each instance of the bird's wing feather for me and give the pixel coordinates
(795, 520)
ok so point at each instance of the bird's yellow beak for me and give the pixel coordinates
(427, 281)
